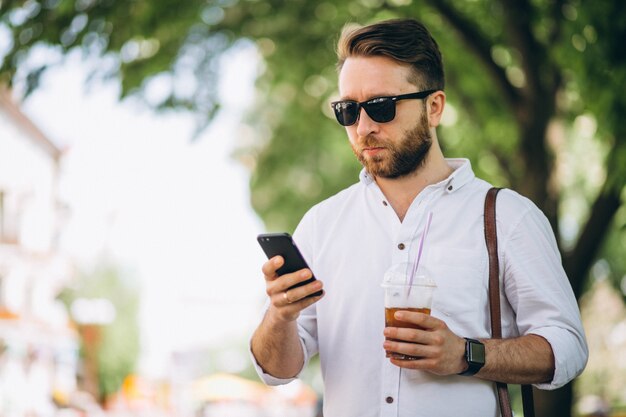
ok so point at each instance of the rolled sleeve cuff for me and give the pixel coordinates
(570, 356)
(269, 379)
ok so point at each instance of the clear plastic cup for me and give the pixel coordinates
(402, 294)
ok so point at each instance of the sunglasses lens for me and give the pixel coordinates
(381, 110)
(346, 112)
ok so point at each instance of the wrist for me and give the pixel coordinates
(278, 319)
(462, 367)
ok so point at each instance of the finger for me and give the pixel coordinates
(291, 311)
(407, 334)
(280, 284)
(300, 303)
(410, 349)
(305, 302)
(424, 321)
(270, 266)
(416, 335)
(286, 281)
(286, 298)
(299, 293)
(430, 364)
(421, 363)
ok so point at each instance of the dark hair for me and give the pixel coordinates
(404, 40)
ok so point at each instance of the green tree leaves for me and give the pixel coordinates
(116, 344)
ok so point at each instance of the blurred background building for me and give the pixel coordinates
(38, 345)
(51, 345)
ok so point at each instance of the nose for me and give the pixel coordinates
(365, 125)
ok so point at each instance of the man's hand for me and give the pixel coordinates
(525, 359)
(275, 343)
(286, 304)
(439, 350)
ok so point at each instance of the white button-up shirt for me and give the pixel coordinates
(352, 238)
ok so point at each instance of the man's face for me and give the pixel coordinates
(396, 148)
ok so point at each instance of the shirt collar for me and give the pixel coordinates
(365, 178)
(461, 175)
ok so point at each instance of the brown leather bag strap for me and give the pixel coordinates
(528, 403)
(491, 238)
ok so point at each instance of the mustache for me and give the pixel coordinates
(370, 141)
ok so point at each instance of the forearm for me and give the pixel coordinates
(523, 360)
(276, 347)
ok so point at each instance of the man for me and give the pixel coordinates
(391, 86)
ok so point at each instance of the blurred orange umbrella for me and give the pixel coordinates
(227, 387)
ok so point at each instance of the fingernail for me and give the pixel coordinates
(304, 274)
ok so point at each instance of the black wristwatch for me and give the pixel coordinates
(474, 355)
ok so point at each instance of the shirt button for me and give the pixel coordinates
(389, 400)
(385, 203)
(450, 188)
(401, 246)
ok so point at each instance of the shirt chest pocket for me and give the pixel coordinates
(462, 284)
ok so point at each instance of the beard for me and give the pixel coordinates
(405, 157)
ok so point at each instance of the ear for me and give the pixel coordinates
(434, 107)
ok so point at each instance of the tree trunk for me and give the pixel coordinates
(533, 106)
(557, 403)
(578, 262)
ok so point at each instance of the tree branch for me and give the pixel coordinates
(557, 22)
(518, 23)
(480, 46)
(578, 261)
(506, 165)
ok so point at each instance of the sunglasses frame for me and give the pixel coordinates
(375, 100)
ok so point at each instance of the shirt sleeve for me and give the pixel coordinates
(269, 379)
(307, 321)
(540, 293)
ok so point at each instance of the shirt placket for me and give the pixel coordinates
(390, 389)
(406, 236)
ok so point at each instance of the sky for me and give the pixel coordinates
(172, 210)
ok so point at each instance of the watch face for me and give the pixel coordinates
(476, 353)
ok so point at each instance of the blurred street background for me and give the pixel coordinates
(145, 144)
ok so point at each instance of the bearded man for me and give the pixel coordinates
(391, 86)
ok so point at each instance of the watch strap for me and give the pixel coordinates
(473, 366)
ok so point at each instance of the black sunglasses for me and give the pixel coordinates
(379, 109)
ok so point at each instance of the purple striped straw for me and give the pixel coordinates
(420, 248)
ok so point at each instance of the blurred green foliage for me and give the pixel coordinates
(118, 348)
(535, 88)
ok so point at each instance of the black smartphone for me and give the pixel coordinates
(282, 244)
